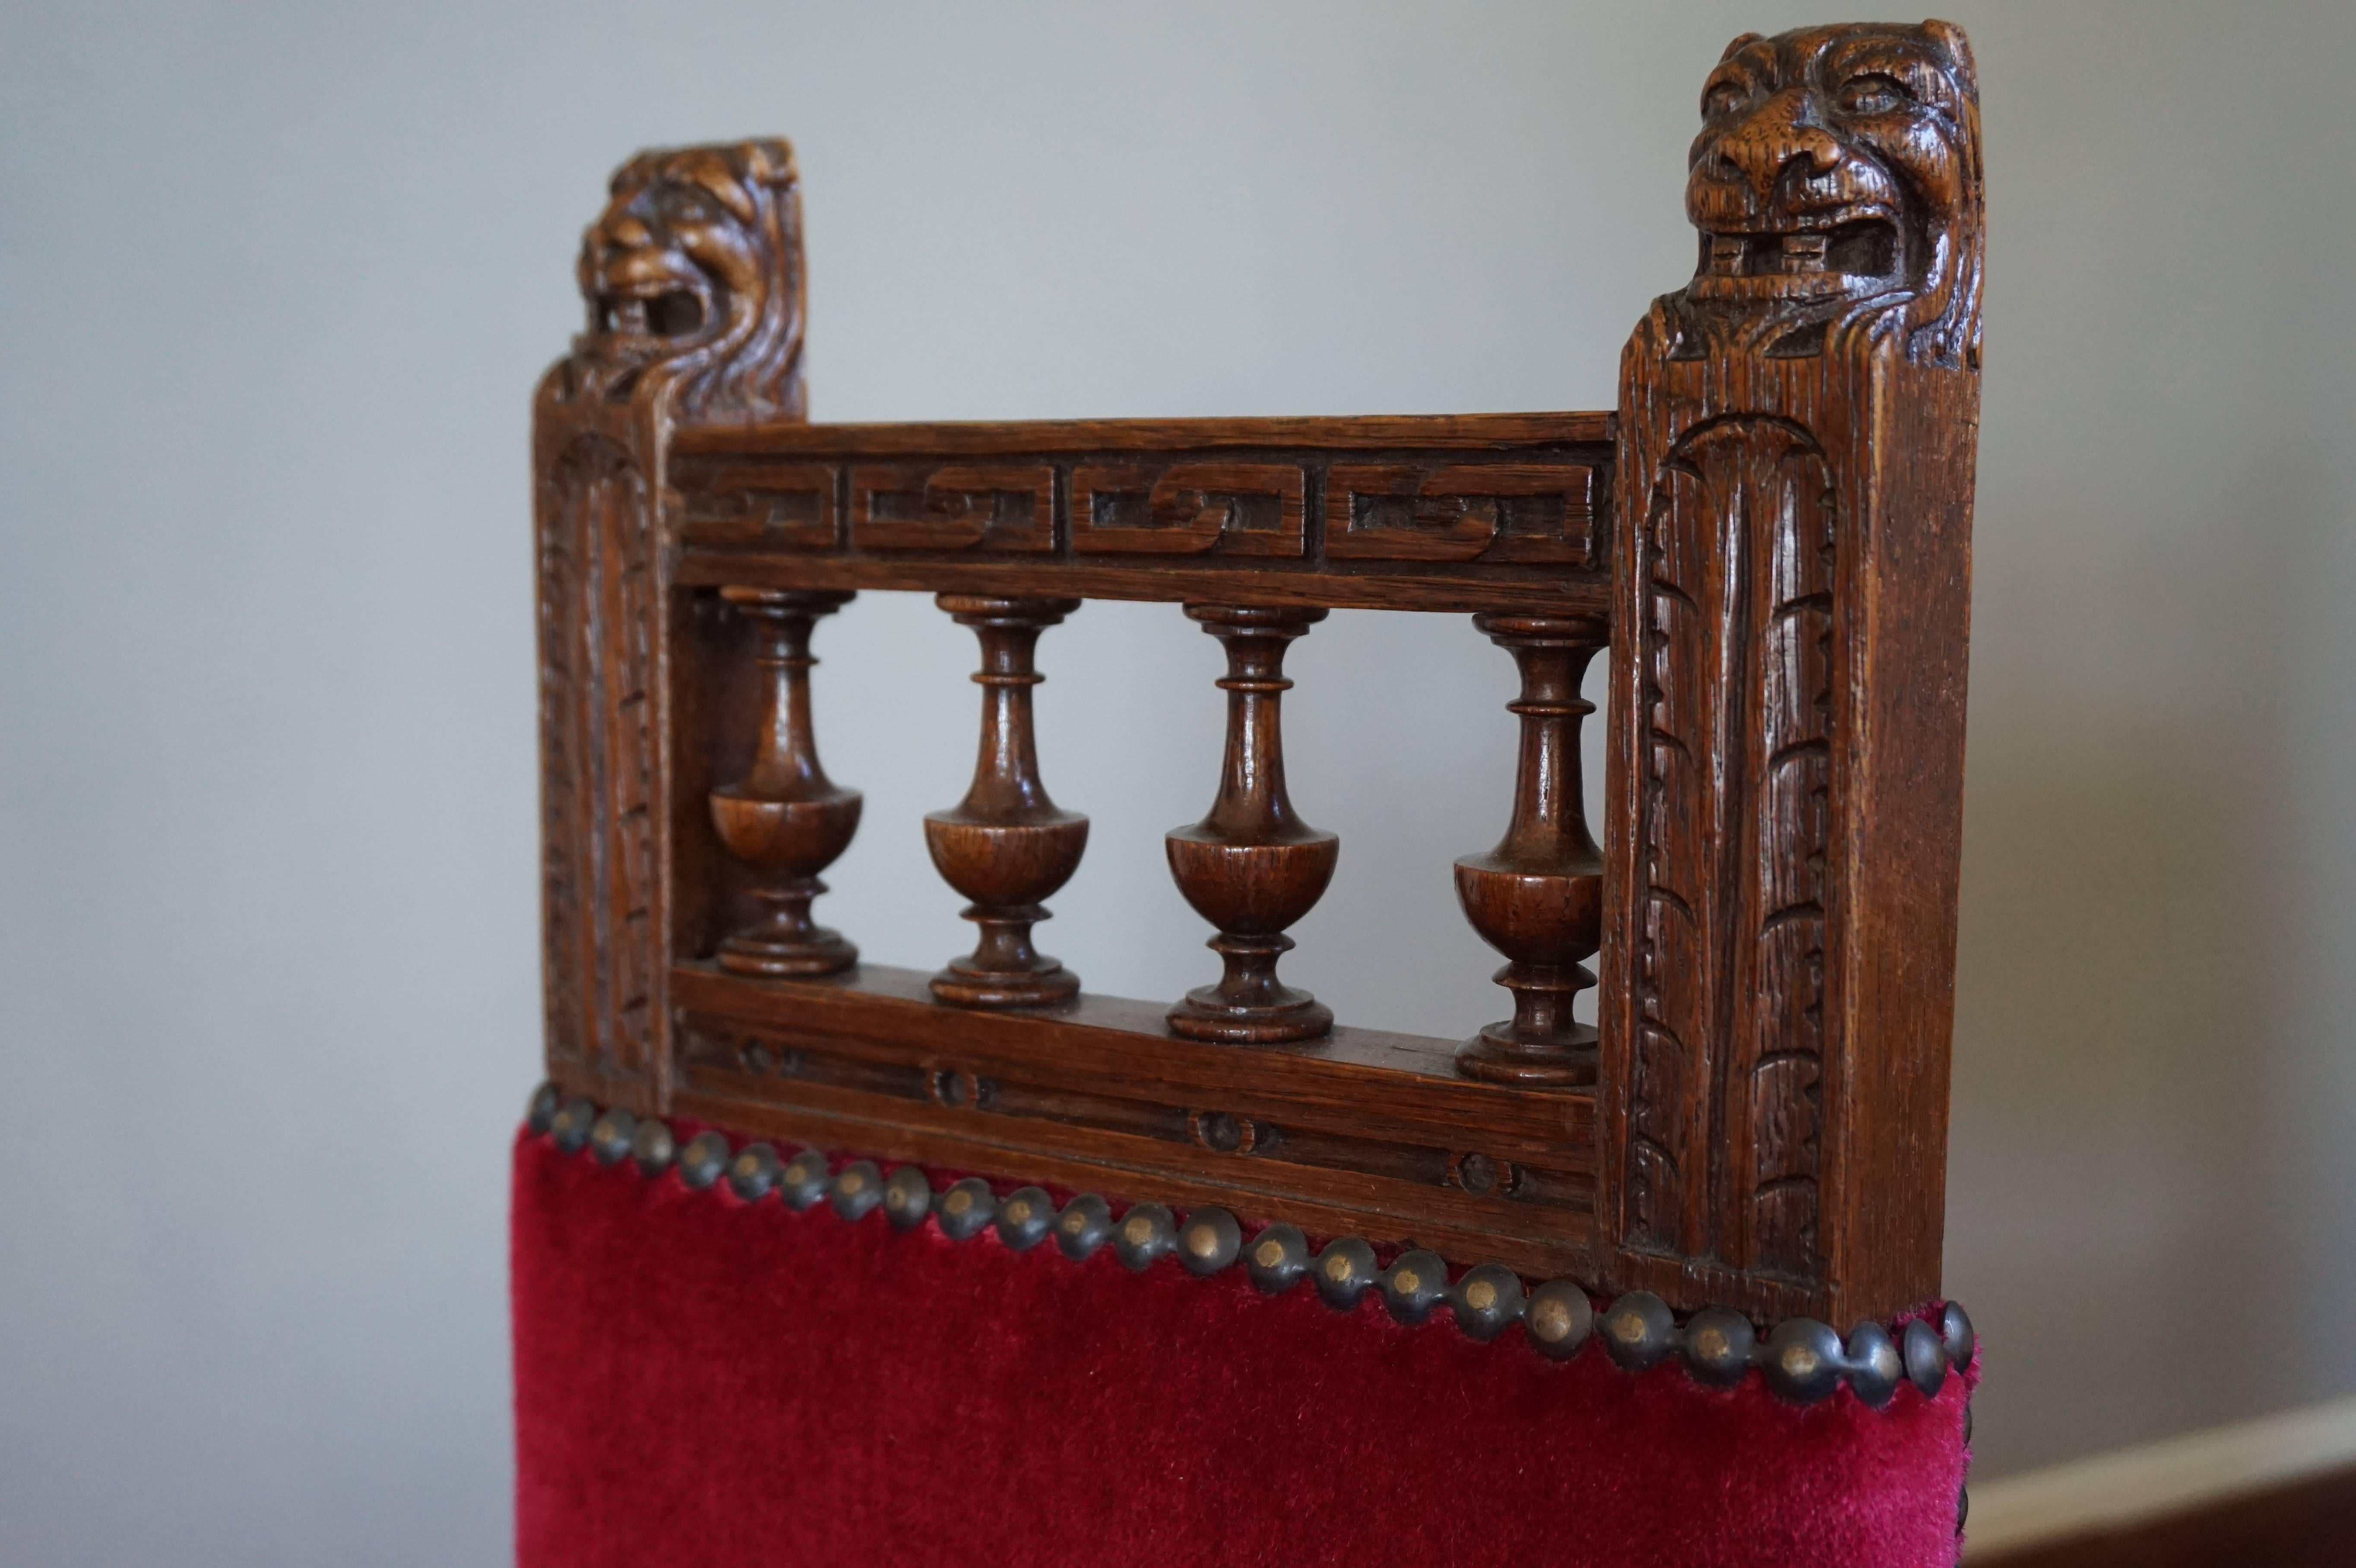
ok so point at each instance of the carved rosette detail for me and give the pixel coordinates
(1791, 546)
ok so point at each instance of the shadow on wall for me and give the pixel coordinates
(2126, 999)
(2105, 1108)
(2152, 1191)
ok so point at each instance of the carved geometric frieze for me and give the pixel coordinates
(1516, 512)
(1493, 513)
(785, 506)
(997, 507)
(1190, 508)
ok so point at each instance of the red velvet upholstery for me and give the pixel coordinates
(703, 1381)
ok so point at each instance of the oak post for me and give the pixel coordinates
(1792, 569)
(691, 280)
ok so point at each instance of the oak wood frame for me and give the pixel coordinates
(1775, 526)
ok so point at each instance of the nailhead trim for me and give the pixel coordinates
(703, 1160)
(1802, 1361)
(1085, 1225)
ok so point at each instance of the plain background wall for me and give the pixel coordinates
(275, 283)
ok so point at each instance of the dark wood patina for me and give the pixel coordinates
(1771, 533)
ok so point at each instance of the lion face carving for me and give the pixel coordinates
(695, 270)
(1837, 185)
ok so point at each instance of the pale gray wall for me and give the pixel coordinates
(275, 283)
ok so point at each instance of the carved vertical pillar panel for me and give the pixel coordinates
(598, 758)
(692, 281)
(1792, 569)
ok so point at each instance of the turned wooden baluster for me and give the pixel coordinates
(1252, 867)
(785, 818)
(1537, 897)
(1006, 845)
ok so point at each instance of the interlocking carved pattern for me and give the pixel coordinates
(1537, 510)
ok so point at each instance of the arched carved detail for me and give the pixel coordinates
(1737, 651)
(1792, 575)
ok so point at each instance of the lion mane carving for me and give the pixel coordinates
(694, 276)
(1837, 185)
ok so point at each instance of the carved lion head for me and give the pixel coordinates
(1837, 185)
(696, 267)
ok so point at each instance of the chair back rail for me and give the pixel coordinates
(1769, 536)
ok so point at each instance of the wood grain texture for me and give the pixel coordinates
(597, 587)
(785, 820)
(1371, 1133)
(1481, 512)
(1737, 683)
(1537, 897)
(1442, 590)
(1793, 577)
(1500, 432)
(1771, 532)
(1252, 867)
(692, 283)
(1006, 845)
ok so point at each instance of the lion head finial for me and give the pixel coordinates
(1837, 185)
(693, 280)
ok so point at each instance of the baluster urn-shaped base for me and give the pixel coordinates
(785, 943)
(1252, 867)
(785, 818)
(1537, 897)
(1006, 845)
(1249, 1006)
(1004, 969)
(1553, 920)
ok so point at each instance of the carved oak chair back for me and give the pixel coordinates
(1769, 538)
